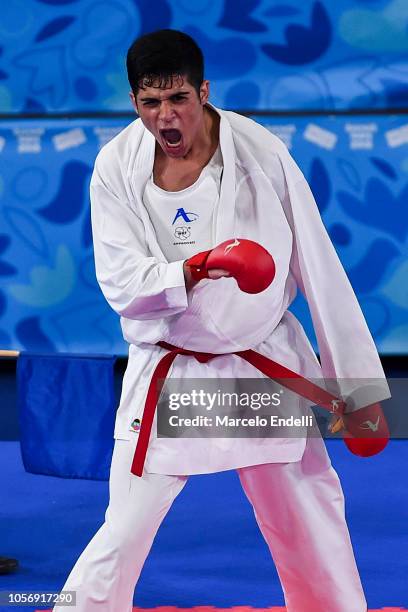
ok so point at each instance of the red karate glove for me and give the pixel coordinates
(248, 262)
(366, 432)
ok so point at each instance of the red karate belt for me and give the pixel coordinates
(287, 378)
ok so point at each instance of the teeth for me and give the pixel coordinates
(173, 144)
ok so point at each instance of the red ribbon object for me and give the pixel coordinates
(286, 377)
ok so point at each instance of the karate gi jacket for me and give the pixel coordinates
(264, 197)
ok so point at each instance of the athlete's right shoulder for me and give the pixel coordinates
(117, 151)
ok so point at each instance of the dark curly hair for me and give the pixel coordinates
(161, 56)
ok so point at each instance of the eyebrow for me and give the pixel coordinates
(178, 93)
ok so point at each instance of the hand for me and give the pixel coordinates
(365, 431)
(245, 260)
(336, 424)
(218, 273)
(214, 274)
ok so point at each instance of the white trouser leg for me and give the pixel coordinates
(105, 575)
(299, 508)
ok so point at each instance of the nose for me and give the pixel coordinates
(166, 111)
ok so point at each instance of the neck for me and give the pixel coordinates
(207, 138)
(204, 145)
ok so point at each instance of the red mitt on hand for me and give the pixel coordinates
(366, 430)
(248, 262)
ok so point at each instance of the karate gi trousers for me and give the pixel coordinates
(298, 506)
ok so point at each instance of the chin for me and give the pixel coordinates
(176, 153)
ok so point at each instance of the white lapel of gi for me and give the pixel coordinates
(142, 170)
(224, 213)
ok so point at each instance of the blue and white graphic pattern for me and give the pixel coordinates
(68, 55)
(49, 299)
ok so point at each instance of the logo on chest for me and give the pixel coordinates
(182, 233)
(188, 217)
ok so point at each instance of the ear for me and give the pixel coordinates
(133, 100)
(204, 92)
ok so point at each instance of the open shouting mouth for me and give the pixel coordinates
(172, 137)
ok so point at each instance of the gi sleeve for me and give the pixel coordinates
(348, 355)
(135, 285)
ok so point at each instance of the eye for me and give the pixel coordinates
(150, 103)
(178, 98)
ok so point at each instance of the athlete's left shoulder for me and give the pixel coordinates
(254, 141)
(253, 133)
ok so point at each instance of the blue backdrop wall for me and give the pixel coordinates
(66, 56)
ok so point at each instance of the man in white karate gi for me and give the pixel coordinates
(181, 179)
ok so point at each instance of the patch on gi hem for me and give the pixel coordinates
(135, 426)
